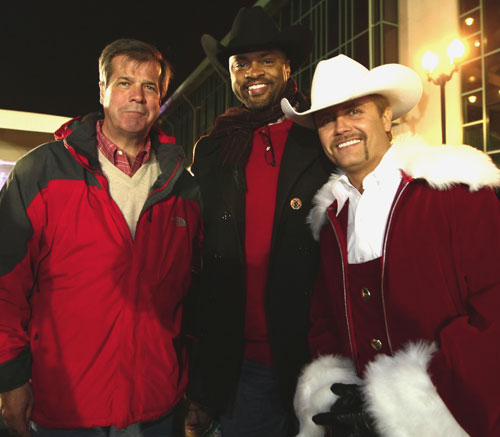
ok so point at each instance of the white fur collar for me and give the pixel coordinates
(442, 166)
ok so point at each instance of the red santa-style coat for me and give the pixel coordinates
(437, 372)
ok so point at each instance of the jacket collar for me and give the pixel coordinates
(441, 166)
(80, 133)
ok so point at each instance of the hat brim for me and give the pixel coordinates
(400, 85)
(296, 42)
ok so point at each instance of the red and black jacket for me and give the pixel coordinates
(90, 314)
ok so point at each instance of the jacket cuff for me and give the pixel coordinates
(313, 394)
(401, 397)
(16, 372)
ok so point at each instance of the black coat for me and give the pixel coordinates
(220, 316)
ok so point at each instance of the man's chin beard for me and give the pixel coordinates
(259, 105)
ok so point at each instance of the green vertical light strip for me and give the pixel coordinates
(381, 32)
(346, 35)
(486, 126)
(370, 32)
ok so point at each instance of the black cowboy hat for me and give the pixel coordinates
(254, 30)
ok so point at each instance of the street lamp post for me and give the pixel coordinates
(441, 81)
(430, 61)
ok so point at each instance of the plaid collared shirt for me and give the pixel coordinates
(117, 156)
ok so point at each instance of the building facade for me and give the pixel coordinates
(376, 32)
(22, 131)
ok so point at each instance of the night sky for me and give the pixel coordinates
(49, 49)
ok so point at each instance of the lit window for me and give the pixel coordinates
(5, 168)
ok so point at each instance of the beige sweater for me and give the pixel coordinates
(130, 193)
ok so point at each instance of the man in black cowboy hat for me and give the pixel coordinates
(257, 172)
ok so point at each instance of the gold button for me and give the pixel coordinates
(365, 294)
(376, 344)
(296, 203)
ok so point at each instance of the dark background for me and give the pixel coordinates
(49, 49)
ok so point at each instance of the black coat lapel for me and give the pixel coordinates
(302, 149)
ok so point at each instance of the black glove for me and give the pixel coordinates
(346, 417)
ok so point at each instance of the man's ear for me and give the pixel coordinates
(287, 69)
(387, 119)
(102, 89)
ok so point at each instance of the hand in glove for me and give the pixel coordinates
(347, 418)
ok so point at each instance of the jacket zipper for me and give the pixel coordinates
(345, 290)
(86, 166)
(163, 187)
(384, 250)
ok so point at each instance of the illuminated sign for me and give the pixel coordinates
(5, 168)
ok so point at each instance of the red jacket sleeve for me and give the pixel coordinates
(465, 369)
(21, 211)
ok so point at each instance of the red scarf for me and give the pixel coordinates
(238, 123)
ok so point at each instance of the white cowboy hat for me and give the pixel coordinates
(341, 79)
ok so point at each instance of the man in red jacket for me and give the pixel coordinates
(98, 231)
(408, 295)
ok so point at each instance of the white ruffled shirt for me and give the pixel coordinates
(368, 212)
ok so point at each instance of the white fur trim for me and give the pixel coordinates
(402, 398)
(445, 165)
(321, 201)
(313, 393)
(442, 166)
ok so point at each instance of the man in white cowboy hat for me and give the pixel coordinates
(258, 173)
(405, 311)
